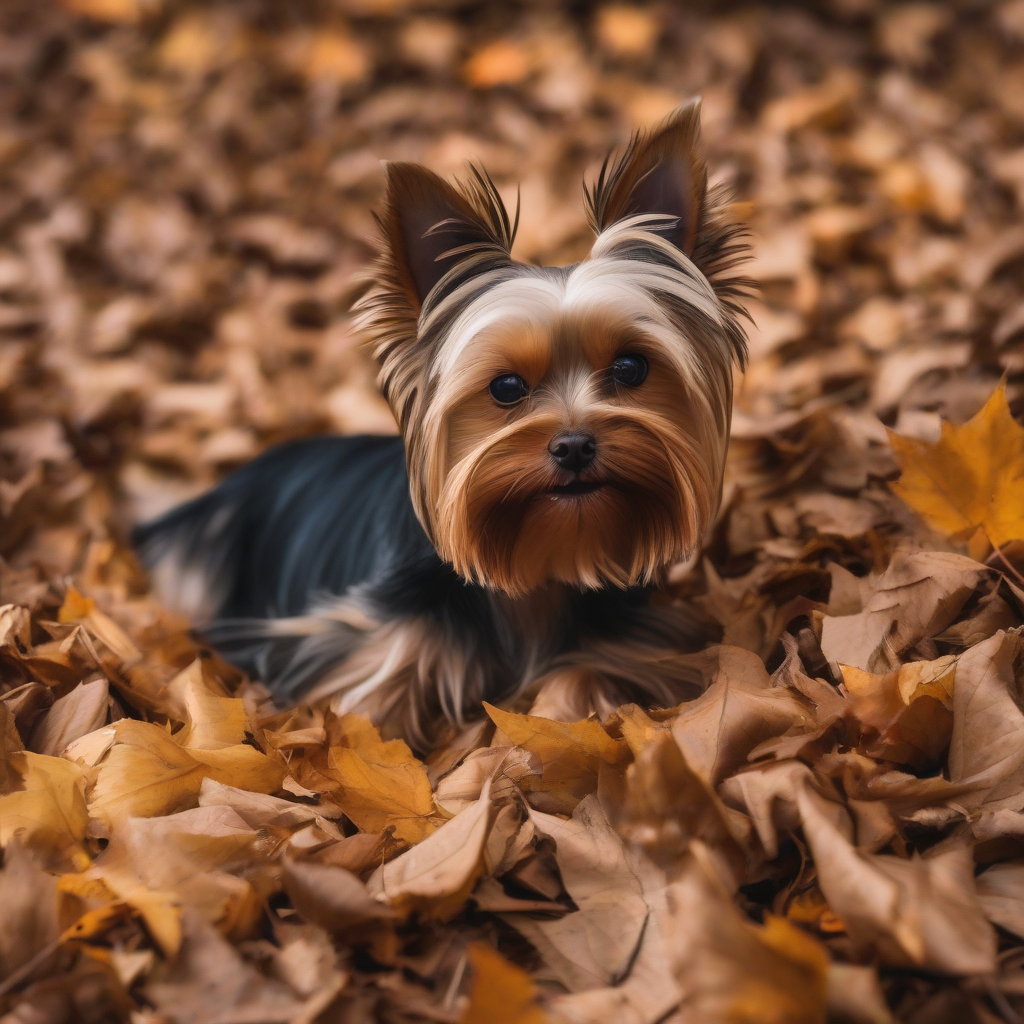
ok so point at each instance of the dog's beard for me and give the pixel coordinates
(508, 518)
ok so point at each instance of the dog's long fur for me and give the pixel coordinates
(418, 576)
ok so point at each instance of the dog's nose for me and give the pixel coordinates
(573, 452)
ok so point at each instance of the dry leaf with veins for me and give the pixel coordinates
(437, 875)
(594, 946)
(972, 478)
(380, 784)
(906, 714)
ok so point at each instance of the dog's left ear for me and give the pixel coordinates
(661, 172)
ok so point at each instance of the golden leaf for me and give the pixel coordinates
(570, 752)
(50, 811)
(627, 31)
(380, 783)
(910, 709)
(146, 773)
(214, 722)
(77, 608)
(502, 993)
(96, 922)
(972, 478)
(336, 57)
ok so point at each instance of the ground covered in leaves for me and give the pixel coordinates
(831, 828)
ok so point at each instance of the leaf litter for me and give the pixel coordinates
(830, 828)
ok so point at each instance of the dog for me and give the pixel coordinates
(563, 441)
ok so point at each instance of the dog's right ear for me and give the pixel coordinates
(429, 225)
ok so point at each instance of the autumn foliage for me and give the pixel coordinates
(829, 828)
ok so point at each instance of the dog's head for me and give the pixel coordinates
(563, 423)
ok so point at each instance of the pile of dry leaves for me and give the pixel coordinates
(833, 828)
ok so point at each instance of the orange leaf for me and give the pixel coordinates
(106, 10)
(973, 477)
(503, 62)
(502, 993)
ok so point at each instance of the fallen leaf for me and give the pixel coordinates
(922, 912)
(627, 31)
(973, 478)
(595, 946)
(77, 608)
(116, 11)
(503, 62)
(335, 57)
(570, 753)
(909, 711)
(732, 970)
(145, 772)
(738, 711)
(332, 897)
(501, 993)
(49, 812)
(437, 875)
(258, 810)
(213, 722)
(855, 995)
(665, 805)
(986, 750)
(380, 784)
(917, 596)
(1001, 895)
(29, 921)
(506, 767)
(209, 981)
(79, 712)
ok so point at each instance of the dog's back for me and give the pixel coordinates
(305, 520)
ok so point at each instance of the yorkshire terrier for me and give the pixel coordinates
(563, 441)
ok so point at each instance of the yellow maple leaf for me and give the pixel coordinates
(972, 478)
(381, 782)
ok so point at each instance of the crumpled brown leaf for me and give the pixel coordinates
(917, 596)
(595, 946)
(738, 711)
(733, 971)
(437, 875)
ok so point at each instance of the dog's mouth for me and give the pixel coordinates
(578, 487)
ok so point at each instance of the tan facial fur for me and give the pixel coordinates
(658, 452)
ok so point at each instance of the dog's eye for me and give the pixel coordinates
(630, 370)
(508, 389)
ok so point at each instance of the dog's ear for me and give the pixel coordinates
(429, 226)
(661, 172)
